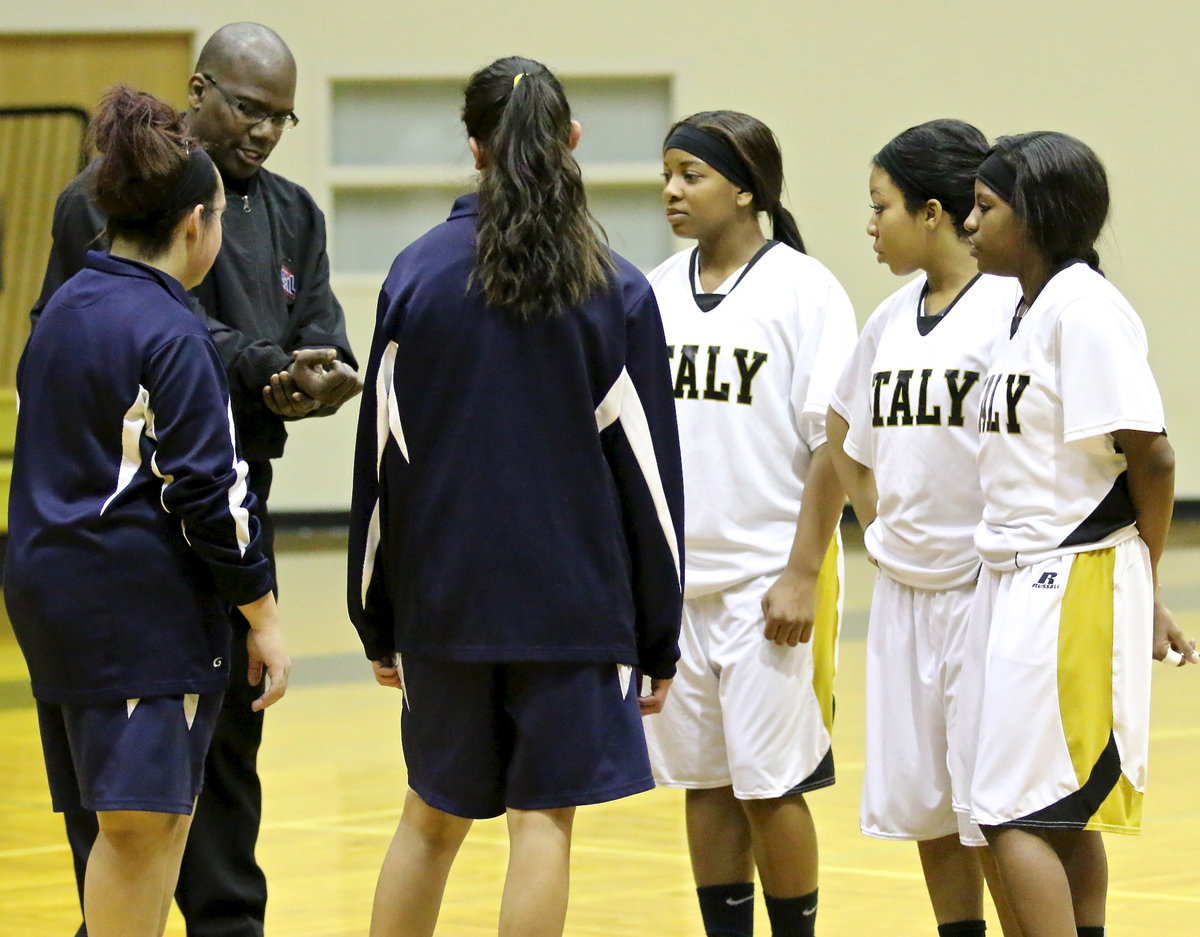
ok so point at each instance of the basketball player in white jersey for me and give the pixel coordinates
(1077, 478)
(902, 428)
(757, 333)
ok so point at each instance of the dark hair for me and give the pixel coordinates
(150, 175)
(936, 160)
(1060, 193)
(758, 148)
(538, 249)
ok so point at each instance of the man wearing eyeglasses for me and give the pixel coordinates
(282, 336)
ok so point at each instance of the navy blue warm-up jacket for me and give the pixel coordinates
(130, 526)
(517, 486)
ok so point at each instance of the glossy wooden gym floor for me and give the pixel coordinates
(334, 781)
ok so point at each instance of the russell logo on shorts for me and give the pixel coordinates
(1047, 581)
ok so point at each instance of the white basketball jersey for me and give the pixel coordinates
(753, 379)
(911, 396)
(1074, 371)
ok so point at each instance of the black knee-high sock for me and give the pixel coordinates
(1090, 931)
(792, 917)
(727, 910)
(963, 929)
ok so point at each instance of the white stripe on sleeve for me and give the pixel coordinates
(623, 403)
(235, 495)
(133, 425)
(237, 491)
(387, 419)
(386, 404)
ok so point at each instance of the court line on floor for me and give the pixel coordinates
(500, 840)
(32, 851)
(484, 839)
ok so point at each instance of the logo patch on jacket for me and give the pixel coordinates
(288, 281)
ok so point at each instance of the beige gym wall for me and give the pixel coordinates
(835, 81)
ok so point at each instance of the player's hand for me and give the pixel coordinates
(319, 374)
(654, 702)
(1168, 637)
(284, 399)
(790, 609)
(387, 673)
(266, 648)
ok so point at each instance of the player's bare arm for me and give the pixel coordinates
(789, 607)
(1151, 474)
(857, 480)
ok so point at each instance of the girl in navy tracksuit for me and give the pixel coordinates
(130, 527)
(517, 513)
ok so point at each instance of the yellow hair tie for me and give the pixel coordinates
(517, 78)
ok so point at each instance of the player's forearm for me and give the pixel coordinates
(1151, 475)
(820, 513)
(856, 479)
(262, 613)
(859, 483)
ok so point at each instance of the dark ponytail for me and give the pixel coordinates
(538, 250)
(758, 150)
(785, 229)
(936, 160)
(150, 175)
(1060, 193)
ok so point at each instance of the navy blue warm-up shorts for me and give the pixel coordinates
(482, 737)
(140, 754)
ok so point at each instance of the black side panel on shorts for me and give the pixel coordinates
(823, 776)
(1075, 810)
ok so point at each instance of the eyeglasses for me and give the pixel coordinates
(249, 113)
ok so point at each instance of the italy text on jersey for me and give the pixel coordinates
(748, 364)
(900, 412)
(989, 412)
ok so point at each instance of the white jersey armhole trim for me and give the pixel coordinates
(1088, 432)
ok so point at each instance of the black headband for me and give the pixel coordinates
(999, 176)
(194, 187)
(713, 150)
